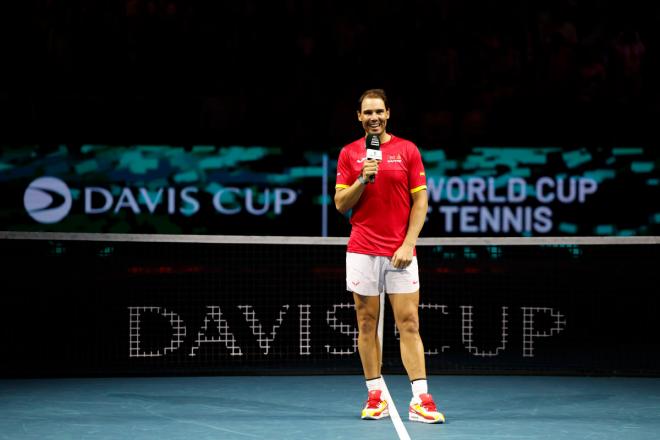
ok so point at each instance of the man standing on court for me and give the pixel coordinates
(389, 202)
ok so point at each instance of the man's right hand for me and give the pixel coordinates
(369, 169)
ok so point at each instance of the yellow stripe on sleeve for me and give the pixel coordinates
(342, 186)
(419, 188)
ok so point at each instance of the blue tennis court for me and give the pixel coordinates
(326, 407)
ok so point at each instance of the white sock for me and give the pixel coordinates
(375, 384)
(419, 386)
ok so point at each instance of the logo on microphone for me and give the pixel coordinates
(47, 200)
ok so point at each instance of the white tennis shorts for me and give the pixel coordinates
(371, 275)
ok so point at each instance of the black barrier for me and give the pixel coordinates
(109, 308)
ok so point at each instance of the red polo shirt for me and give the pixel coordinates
(380, 218)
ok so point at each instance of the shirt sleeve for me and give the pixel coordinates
(416, 173)
(344, 172)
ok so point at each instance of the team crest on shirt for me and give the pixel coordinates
(394, 158)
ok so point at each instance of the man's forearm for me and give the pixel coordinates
(417, 218)
(346, 198)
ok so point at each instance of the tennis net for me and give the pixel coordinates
(107, 304)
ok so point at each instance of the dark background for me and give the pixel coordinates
(289, 72)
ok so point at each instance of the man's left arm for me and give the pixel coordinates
(404, 255)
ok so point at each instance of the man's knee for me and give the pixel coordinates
(409, 324)
(367, 324)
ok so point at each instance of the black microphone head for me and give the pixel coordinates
(373, 142)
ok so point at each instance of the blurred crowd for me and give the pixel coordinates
(288, 72)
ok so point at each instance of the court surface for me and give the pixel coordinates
(326, 407)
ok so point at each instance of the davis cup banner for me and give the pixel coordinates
(257, 190)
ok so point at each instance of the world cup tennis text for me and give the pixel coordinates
(489, 205)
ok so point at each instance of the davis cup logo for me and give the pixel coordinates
(47, 200)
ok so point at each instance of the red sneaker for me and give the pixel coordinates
(376, 407)
(423, 409)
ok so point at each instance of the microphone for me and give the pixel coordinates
(373, 151)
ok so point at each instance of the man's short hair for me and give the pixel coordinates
(373, 93)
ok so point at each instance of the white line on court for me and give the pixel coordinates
(394, 414)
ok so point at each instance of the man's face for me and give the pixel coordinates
(373, 116)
